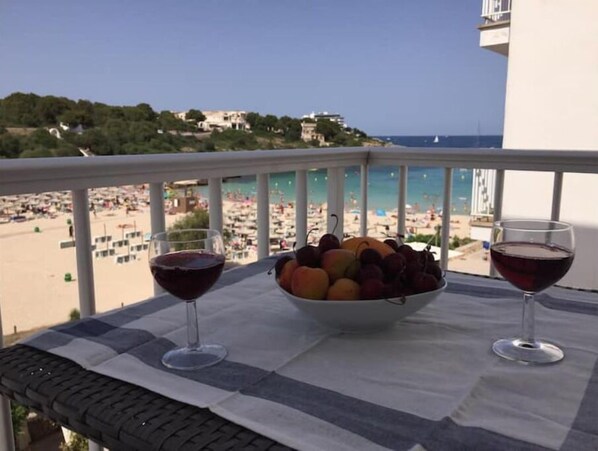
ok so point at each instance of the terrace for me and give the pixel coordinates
(78, 175)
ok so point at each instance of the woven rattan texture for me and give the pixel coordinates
(115, 414)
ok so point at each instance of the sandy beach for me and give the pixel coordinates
(33, 290)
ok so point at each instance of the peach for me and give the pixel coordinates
(310, 283)
(286, 275)
(343, 290)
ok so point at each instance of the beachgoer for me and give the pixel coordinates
(71, 231)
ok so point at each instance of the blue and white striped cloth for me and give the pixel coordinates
(430, 382)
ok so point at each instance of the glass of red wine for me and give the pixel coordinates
(186, 263)
(532, 255)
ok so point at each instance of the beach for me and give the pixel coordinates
(33, 290)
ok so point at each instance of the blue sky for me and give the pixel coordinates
(390, 66)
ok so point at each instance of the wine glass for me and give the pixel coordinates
(532, 255)
(186, 263)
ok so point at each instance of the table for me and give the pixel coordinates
(431, 380)
(113, 413)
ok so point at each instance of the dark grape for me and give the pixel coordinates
(308, 256)
(392, 243)
(370, 256)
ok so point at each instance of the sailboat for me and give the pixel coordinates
(436, 140)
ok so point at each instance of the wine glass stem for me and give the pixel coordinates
(192, 325)
(527, 331)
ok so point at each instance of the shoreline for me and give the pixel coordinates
(33, 290)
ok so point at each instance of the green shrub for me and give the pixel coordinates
(74, 315)
(76, 443)
(19, 416)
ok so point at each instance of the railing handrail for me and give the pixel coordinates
(496, 10)
(22, 176)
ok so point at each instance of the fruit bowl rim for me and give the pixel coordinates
(396, 301)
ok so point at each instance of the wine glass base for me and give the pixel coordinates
(537, 352)
(186, 358)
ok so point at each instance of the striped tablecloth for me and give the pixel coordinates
(430, 382)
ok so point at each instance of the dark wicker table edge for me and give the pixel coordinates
(113, 413)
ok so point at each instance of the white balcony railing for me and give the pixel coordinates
(496, 10)
(79, 174)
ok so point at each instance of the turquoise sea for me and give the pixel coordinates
(424, 189)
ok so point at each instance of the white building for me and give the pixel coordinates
(308, 133)
(223, 120)
(551, 104)
(333, 117)
(182, 115)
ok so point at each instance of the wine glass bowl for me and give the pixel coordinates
(186, 263)
(532, 255)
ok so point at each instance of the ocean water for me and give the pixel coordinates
(425, 186)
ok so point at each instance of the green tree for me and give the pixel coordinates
(36, 153)
(103, 113)
(269, 122)
(65, 149)
(195, 115)
(41, 138)
(18, 109)
(49, 108)
(93, 139)
(168, 121)
(142, 131)
(253, 119)
(197, 219)
(328, 128)
(141, 112)
(290, 128)
(10, 146)
(76, 117)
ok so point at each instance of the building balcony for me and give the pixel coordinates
(494, 32)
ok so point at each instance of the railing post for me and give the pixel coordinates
(446, 218)
(499, 185)
(557, 191)
(336, 200)
(215, 203)
(263, 215)
(6, 432)
(363, 205)
(158, 221)
(403, 174)
(87, 303)
(300, 206)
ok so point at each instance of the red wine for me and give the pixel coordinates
(531, 267)
(187, 274)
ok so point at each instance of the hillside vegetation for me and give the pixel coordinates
(26, 121)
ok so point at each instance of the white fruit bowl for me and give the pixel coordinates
(363, 316)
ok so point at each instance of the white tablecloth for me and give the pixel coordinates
(431, 381)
